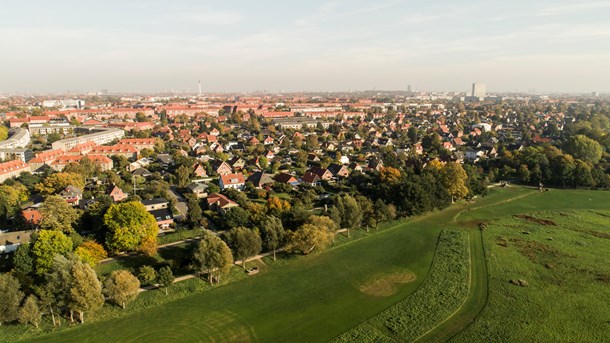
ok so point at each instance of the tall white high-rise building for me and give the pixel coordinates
(478, 90)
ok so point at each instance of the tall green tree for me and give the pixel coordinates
(47, 244)
(10, 298)
(85, 290)
(584, 148)
(165, 277)
(273, 234)
(349, 210)
(213, 256)
(57, 214)
(121, 287)
(194, 215)
(383, 212)
(245, 243)
(56, 292)
(183, 175)
(22, 259)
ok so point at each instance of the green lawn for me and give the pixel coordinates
(318, 297)
(567, 271)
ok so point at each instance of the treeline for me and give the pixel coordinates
(580, 162)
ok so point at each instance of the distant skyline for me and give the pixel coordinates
(340, 45)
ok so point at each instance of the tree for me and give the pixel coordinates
(213, 256)
(584, 148)
(183, 174)
(57, 214)
(130, 227)
(47, 244)
(236, 217)
(389, 175)
(56, 291)
(147, 275)
(91, 252)
(367, 210)
(57, 182)
(349, 210)
(3, 132)
(11, 198)
(307, 238)
(22, 259)
(30, 313)
(121, 287)
(85, 290)
(454, 179)
(10, 298)
(383, 212)
(324, 222)
(194, 215)
(165, 277)
(263, 162)
(276, 206)
(245, 242)
(273, 234)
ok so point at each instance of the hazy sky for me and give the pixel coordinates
(250, 45)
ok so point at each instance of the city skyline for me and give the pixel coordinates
(340, 45)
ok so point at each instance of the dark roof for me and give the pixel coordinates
(157, 201)
(285, 178)
(260, 178)
(162, 214)
(141, 172)
(335, 168)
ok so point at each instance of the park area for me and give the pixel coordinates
(364, 287)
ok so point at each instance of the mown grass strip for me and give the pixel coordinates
(439, 296)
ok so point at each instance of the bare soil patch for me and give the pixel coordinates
(385, 285)
(536, 220)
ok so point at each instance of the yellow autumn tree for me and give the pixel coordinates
(454, 178)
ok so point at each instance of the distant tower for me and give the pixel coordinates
(409, 89)
(478, 90)
(199, 87)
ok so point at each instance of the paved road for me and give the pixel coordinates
(181, 204)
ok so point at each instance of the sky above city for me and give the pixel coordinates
(233, 45)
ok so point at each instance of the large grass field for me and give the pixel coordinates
(564, 256)
(316, 298)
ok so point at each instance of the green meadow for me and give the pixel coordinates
(319, 297)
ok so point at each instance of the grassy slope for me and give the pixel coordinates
(565, 301)
(314, 298)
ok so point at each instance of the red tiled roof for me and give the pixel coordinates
(11, 166)
(232, 179)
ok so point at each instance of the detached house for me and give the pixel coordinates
(220, 203)
(115, 193)
(232, 181)
(221, 167)
(311, 179)
(72, 195)
(286, 178)
(338, 170)
(323, 173)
